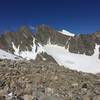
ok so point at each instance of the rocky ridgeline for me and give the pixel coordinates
(45, 80)
(79, 44)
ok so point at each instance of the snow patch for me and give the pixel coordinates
(67, 33)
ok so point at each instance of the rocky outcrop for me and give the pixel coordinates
(96, 37)
(44, 57)
(82, 44)
(44, 33)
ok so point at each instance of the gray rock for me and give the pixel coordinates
(49, 98)
(97, 97)
(45, 80)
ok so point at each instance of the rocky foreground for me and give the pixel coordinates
(29, 80)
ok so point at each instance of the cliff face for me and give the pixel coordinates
(82, 44)
(22, 39)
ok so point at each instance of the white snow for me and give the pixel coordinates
(79, 62)
(10, 94)
(28, 54)
(96, 51)
(67, 33)
(6, 55)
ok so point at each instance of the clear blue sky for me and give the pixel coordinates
(79, 16)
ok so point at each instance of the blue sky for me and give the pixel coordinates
(78, 16)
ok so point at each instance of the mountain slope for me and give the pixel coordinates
(72, 51)
(6, 55)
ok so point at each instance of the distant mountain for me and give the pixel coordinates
(79, 52)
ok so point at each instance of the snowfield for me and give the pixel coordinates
(6, 55)
(79, 62)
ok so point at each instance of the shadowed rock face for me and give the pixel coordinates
(22, 38)
(44, 33)
(96, 37)
(79, 44)
(82, 44)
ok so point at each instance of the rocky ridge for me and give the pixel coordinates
(79, 44)
(23, 38)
